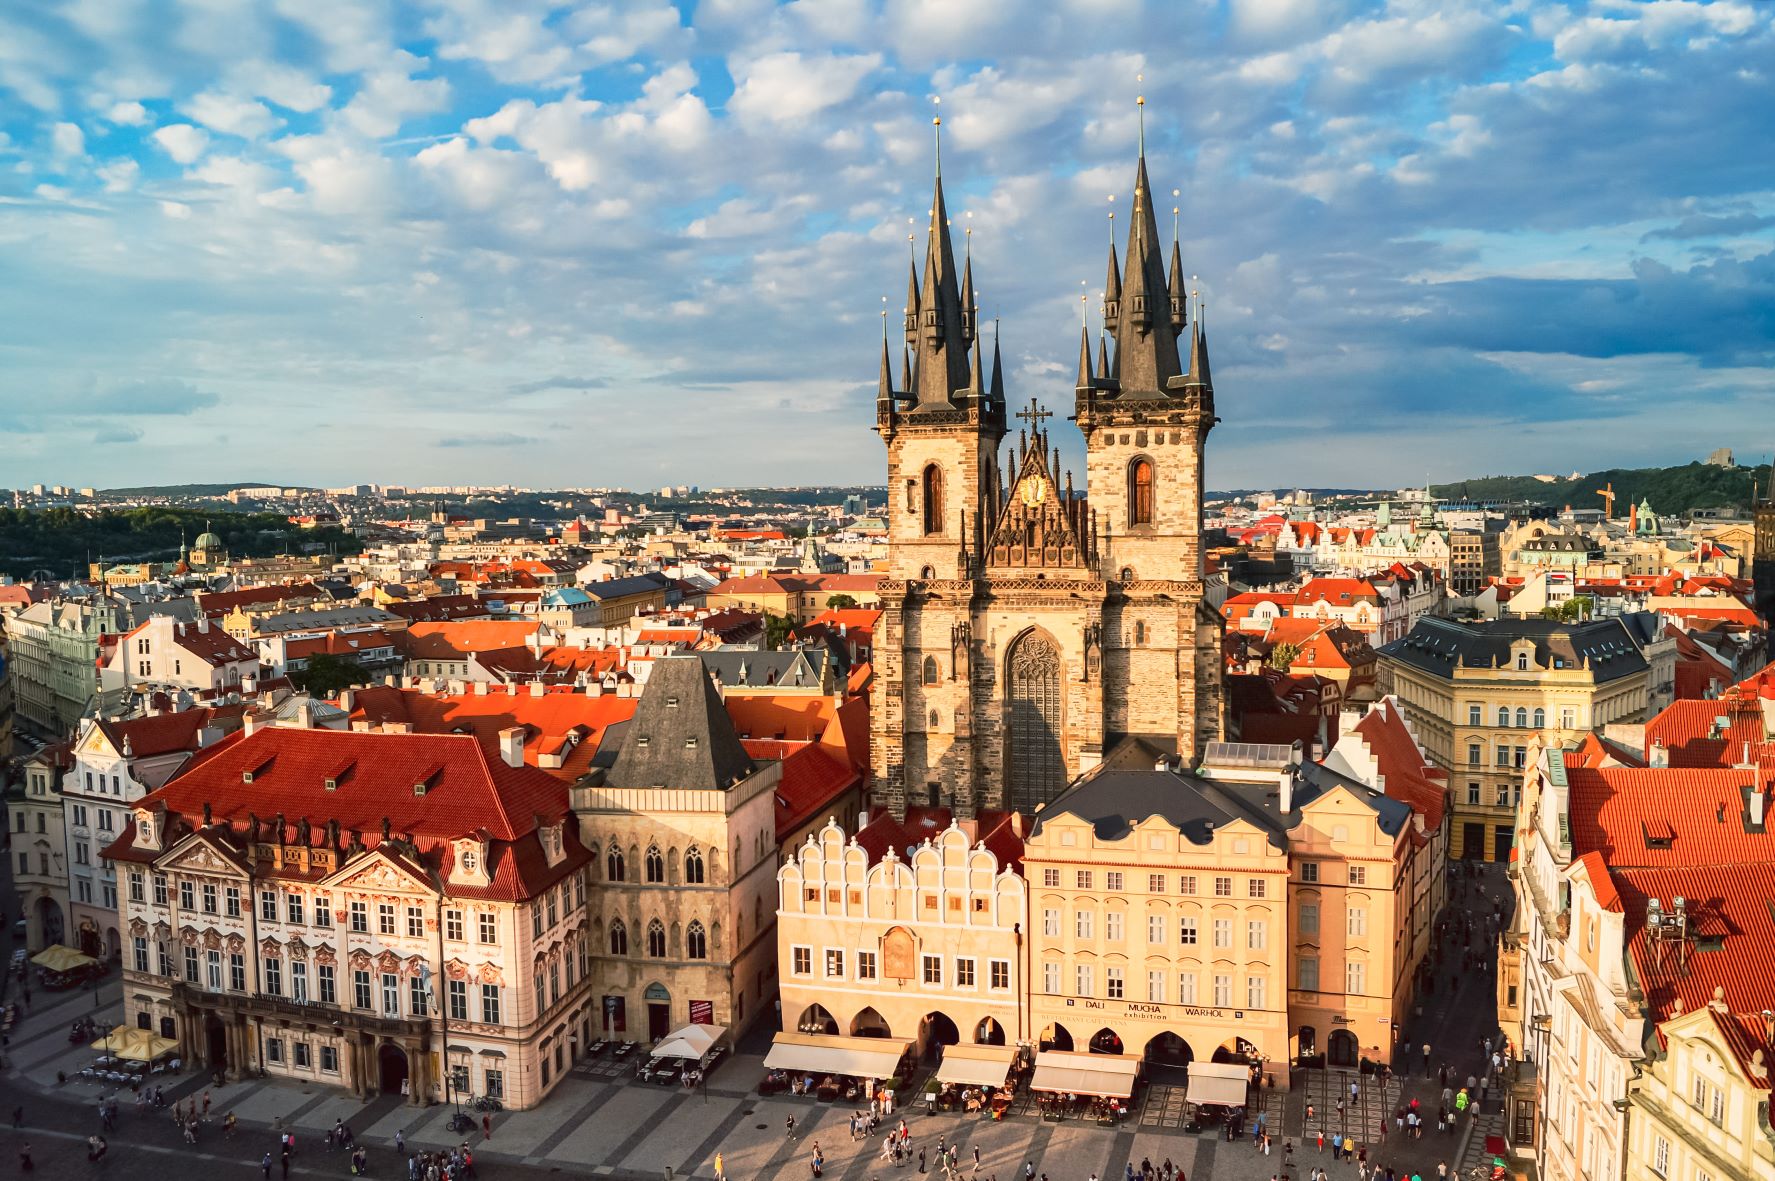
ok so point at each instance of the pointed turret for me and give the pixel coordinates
(905, 369)
(1112, 286)
(1179, 308)
(941, 338)
(1103, 358)
(998, 371)
(1146, 347)
(912, 301)
(1084, 359)
(885, 394)
(976, 379)
(1199, 377)
(968, 326)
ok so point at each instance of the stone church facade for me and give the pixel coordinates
(1028, 630)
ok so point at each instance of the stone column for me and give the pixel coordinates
(418, 1072)
(348, 1062)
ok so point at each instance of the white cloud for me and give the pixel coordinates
(119, 175)
(230, 115)
(183, 142)
(616, 32)
(68, 141)
(283, 84)
(510, 39)
(127, 114)
(388, 97)
(788, 87)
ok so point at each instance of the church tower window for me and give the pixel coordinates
(930, 670)
(933, 499)
(1140, 492)
(1035, 761)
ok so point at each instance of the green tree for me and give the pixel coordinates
(326, 674)
(841, 602)
(1282, 656)
(777, 630)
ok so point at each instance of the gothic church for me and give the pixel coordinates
(1029, 630)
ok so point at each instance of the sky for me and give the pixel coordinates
(636, 243)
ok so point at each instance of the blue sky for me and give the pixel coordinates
(326, 241)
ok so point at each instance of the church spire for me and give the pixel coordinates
(1179, 309)
(1199, 377)
(885, 394)
(941, 336)
(998, 369)
(1085, 382)
(1146, 342)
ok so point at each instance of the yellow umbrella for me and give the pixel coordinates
(135, 1045)
(60, 957)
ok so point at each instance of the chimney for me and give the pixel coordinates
(511, 746)
(203, 624)
(1660, 753)
(249, 722)
(346, 698)
(1759, 804)
(1285, 787)
(305, 714)
(249, 685)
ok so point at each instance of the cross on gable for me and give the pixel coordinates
(1034, 415)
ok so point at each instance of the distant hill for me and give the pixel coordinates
(62, 540)
(1669, 489)
(190, 489)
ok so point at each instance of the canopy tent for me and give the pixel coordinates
(60, 957)
(819, 1053)
(1109, 1076)
(976, 1066)
(693, 1042)
(135, 1045)
(1223, 1083)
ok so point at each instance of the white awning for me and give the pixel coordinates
(1109, 1076)
(816, 1053)
(1223, 1083)
(976, 1066)
(693, 1041)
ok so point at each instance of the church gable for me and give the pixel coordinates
(1038, 524)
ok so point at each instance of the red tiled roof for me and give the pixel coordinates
(160, 734)
(1407, 774)
(1656, 817)
(549, 717)
(1727, 903)
(1336, 591)
(1601, 883)
(340, 644)
(1689, 730)
(218, 603)
(457, 640)
(812, 781)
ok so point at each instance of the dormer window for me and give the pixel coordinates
(471, 861)
(1522, 662)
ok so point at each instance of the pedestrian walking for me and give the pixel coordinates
(265, 1167)
(206, 1107)
(18, 1116)
(976, 1158)
(400, 1141)
(24, 1157)
(720, 1168)
(789, 1128)
(487, 1125)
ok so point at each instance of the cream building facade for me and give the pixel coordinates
(38, 848)
(1701, 1109)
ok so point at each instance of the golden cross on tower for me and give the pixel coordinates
(1034, 415)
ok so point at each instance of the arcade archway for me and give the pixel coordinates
(391, 1062)
(870, 1023)
(1106, 1041)
(815, 1019)
(936, 1029)
(1342, 1048)
(1055, 1037)
(989, 1033)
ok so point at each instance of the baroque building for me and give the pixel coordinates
(1018, 615)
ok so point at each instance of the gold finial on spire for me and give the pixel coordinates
(1112, 219)
(1140, 104)
(1084, 304)
(1175, 194)
(884, 312)
(937, 126)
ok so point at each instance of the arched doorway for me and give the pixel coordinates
(989, 1033)
(1306, 1043)
(113, 944)
(89, 940)
(936, 1029)
(1106, 1041)
(391, 1061)
(1342, 1048)
(215, 1037)
(1034, 759)
(1238, 1050)
(1169, 1051)
(49, 915)
(1055, 1037)
(815, 1019)
(659, 1012)
(870, 1023)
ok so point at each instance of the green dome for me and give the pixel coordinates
(207, 541)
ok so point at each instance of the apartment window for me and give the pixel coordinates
(1309, 871)
(1503, 795)
(1186, 884)
(293, 907)
(495, 1083)
(551, 904)
(1257, 887)
(1112, 981)
(1155, 988)
(1521, 757)
(1223, 992)
(865, 965)
(1661, 1156)
(1355, 977)
(163, 959)
(274, 1049)
(1112, 880)
(237, 972)
(453, 925)
(1472, 792)
(231, 901)
(1082, 980)
(209, 896)
(488, 925)
(801, 961)
(360, 917)
(1255, 934)
(385, 918)
(360, 989)
(135, 879)
(1223, 932)
(1358, 875)
(1155, 928)
(1155, 883)
(108, 891)
(1522, 662)
(1112, 926)
(1223, 887)
(1081, 924)
(1474, 755)
(1051, 922)
(536, 922)
(191, 965)
(1186, 988)
(1051, 878)
(490, 1004)
(998, 973)
(1186, 931)
(834, 964)
(301, 1049)
(964, 973)
(272, 975)
(299, 981)
(1503, 759)
(212, 965)
(329, 1059)
(1475, 715)
(1356, 922)
(140, 948)
(1309, 918)
(1254, 992)
(1051, 978)
(1503, 718)
(458, 993)
(187, 894)
(1568, 718)
(415, 923)
(420, 1005)
(267, 904)
(1308, 974)
(933, 969)
(79, 816)
(326, 976)
(1082, 879)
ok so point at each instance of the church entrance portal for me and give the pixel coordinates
(1034, 759)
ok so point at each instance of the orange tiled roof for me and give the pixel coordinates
(458, 639)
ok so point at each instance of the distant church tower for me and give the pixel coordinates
(1027, 631)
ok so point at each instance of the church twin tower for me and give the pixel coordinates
(1029, 633)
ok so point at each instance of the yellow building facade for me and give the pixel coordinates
(1701, 1109)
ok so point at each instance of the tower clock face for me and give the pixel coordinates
(1034, 491)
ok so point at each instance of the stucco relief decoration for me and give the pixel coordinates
(1035, 658)
(413, 965)
(388, 961)
(271, 948)
(456, 970)
(188, 936)
(360, 960)
(237, 944)
(898, 954)
(212, 939)
(162, 931)
(324, 954)
(298, 950)
(490, 974)
(138, 929)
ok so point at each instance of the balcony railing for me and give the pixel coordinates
(279, 1008)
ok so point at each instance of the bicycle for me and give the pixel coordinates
(487, 1103)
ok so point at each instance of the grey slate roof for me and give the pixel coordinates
(634, 584)
(791, 668)
(1439, 646)
(681, 735)
(326, 619)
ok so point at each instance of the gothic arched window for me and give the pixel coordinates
(696, 942)
(613, 865)
(619, 938)
(693, 867)
(930, 670)
(1140, 492)
(656, 939)
(1521, 718)
(656, 865)
(933, 499)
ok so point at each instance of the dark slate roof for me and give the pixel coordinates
(635, 584)
(1561, 543)
(1114, 799)
(1439, 646)
(680, 736)
(789, 668)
